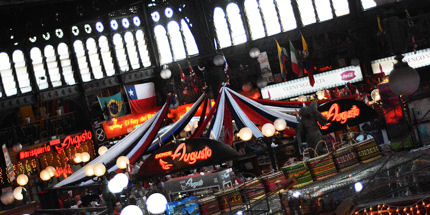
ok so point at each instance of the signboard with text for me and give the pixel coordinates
(343, 112)
(192, 153)
(301, 86)
(415, 60)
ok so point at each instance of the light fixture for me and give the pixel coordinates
(22, 179)
(296, 194)
(131, 210)
(302, 98)
(156, 203)
(358, 187)
(46, 36)
(77, 159)
(168, 12)
(375, 95)
(165, 73)
(268, 130)
(89, 170)
(114, 24)
(218, 60)
(17, 193)
(320, 95)
(403, 80)
(254, 52)
(17, 147)
(136, 21)
(125, 23)
(99, 27)
(75, 30)
(51, 171)
(102, 150)
(99, 169)
(87, 28)
(188, 128)
(121, 179)
(280, 124)
(44, 175)
(245, 134)
(155, 16)
(196, 123)
(32, 39)
(122, 162)
(85, 157)
(59, 33)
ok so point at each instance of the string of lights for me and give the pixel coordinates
(419, 207)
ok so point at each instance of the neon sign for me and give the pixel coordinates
(333, 115)
(63, 171)
(75, 140)
(181, 154)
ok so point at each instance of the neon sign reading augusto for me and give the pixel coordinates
(333, 115)
(181, 154)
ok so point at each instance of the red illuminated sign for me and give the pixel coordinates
(348, 75)
(63, 171)
(75, 140)
(181, 154)
(333, 115)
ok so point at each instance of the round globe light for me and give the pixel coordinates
(51, 171)
(122, 162)
(121, 179)
(218, 60)
(114, 186)
(280, 124)
(268, 130)
(44, 175)
(77, 158)
(320, 95)
(22, 179)
(165, 73)
(156, 203)
(85, 156)
(358, 187)
(102, 150)
(375, 95)
(17, 147)
(254, 52)
(99, 169)
(7, 198)
(17, 193)
(131, 210)
(89, 170)
(403, 80)
(302, 98)
(245, 134)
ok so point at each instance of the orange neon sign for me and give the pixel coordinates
(333, 115)
(63, 171)
(181, 154)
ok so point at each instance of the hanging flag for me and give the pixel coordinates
(282, 57)
(338, 93)
(305, 47)
(141, 97)
(193, 77)
(382, 71)
(112, 106)
(181, 72)
(294, 61)
(226, 71)
(327, 94)
(310, 74)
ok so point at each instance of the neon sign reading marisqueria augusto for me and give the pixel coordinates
(68, 141)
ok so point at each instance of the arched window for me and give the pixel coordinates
(51, 63)
(341, 7)
(143, 49)
(121, 57)
(238, 34)
(270, 17)
(221, 28)
(176, 41)
(307, 12)
(66, 66)
(93, 55)
(253, 15)
(106, 56)
(367, 4)
(38, 68)
(190, 42)
(21, 71)
(131, 50)
(163, 45)
(286, 14)
(78, 46)
(9, 84)
(324, 10)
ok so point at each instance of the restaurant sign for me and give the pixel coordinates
(301, 86)
(58, 145)
(415, 60)
(191, 153)
(343, 112)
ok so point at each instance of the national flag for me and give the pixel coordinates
(310, 74)
(112, 106)
(294, 61)
(382, 71)
(282, 57)
(193, 77)
(141, 97)
(305, 47)
(226, 71)
(183, 77)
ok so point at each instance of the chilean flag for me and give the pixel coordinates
(141, 97)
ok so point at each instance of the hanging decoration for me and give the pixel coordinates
(422, 206)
